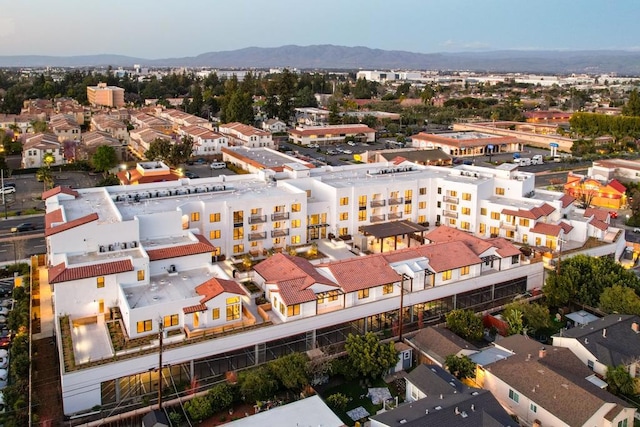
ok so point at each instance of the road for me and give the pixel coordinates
(15, 246)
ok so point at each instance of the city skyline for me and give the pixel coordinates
(157, 29)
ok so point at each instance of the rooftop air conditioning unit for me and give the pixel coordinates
(172, 269)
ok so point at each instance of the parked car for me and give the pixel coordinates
(3, 374)
(5, 342)
(7, 190)
(313, 146)
(191, 175)
(351, 143)
(218, 165)
(4, 362)
(25, 226)
(613, 214)
(2, 405)
(6, 303)
(347, 151)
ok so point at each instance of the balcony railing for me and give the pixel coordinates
(378, 203)
(376, 218)
(451, 214)
(279, 216)
(508, 226)
(395, 215)
(280, 232)
(257, 219)
(257, 236)
(449, 199)
(396, 201)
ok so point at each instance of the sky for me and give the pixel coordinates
(155, 29)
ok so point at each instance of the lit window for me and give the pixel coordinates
(495, 231)
(465, 211)
(195, 216)
(362, 215)
(524, 222)
(295, 239)
(215, 313)
(483, 228)
(500, 191)
(446, 275)
(423, 191)
(144, 326)
(333, 296)
(214, 217)
(483, 211)
(295, 223)
(495, 215)
(100, 282)
(465, 225)
(295, 207)
(171, 320)
(363, 293)
(238, 217)
(238, 233)
(422, 205)
(387, 289)
(214, 234)
(344, 201)
(238, 249)
(233, 308)
(140, 275)
(293, 310)
(344, 216)
(343, 231)
(407, 209)
(466, 196)
(464, 270)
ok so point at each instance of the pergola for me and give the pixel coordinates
(393, 229)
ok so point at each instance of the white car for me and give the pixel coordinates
(347, 151)
(7, 190)
(313, 146)
(4, 353)
(3, 374)
(351, 143)
(3, 319)
(4, 362)
(6, 303)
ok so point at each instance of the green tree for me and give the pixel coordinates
(45, 176)
(620, 299)
(362, 89)
(291, 370)
(48, 159)
(368, 357)
(533, 316)
(620, 381)
(257, 384)
(104, 158)
(334, 113)
(222, 396)
(39, 126)
(515, 319)
(460, 366)
(199, 408)
(338, 401)
(465, 323)
(159, 149)
(108, 181)
(632, 107)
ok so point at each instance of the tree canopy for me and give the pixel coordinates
(368, 357)
(465, 323)
(632, 107)
(173, 154)
(460, 366)
(104, 158)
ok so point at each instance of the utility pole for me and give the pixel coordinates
(4, 202)
(160, 334)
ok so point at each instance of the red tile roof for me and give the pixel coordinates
(194, 308)
(133, 176)
(547, 229)
(295, 291)
(504, 248)
(533, 213)
(616, 185)
(567, 200)
(59, 189)
(566, 227)
(599, 224)
(203, 246)
(599, 214)
(359, 273)
(53, 217)
(331, 130)
(448, 234)
(71, 224)
(62, 273)
(214, 287)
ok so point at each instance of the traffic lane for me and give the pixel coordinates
(11, 250)
(7, 224)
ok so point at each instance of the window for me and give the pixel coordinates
(195, 216)
(293, 310)
(495, 215)
(453, 193)
(439, 190)
(215, 313)
(387, 289)
(363, 293)
(465, 211)
(439, 204)
(446, 275)
(422, 205)
(344, 201)
(320, 298)
(214, 217)
(525, 238)
(514, 396)
(533, 407)
(344, 216)
(238, 233)
(238, 217)
(214, 234)
(140, 275)
(343, 231)
(295, 239)
(524, 222)
(233, 308)
(538, 241)
(590, 364)
(622, 423)
(452, 207)
(295, 207)
(422, 219)
(483, 228)
(362, 215)
(333, 296)
(100, 282)
(408, 196)
(423, 191)
(494, 231)
(295, 223)
(362, 201)
(510, 234)
(466, 196)
(515, 259)
(238, 249)
(451, 222)
(144, 326)
(465, 225)
(171, 320)
(483, 211)
(407, 209)
(500, 191)
(464, 270)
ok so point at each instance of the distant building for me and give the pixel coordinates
(331, 134)
(37, 147)
(106, 96)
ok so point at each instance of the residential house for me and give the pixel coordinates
(550, 386)
(106, 123)
(434, 344)
(94, 139)
(590, 191)
(65, 127)
(39, 147)
(205, 141)
(274, 126)
(245, 135)
(331, 134)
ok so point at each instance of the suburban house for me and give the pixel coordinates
(65, 127)
(434, 344)
(610, 341)
(434, 397)
(274, 126)
(94, 139)
(205, 141)
(245, 135)
(109, 124)
(550, 386)
(40, 146)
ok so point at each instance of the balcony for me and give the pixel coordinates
(508, 226)
(396, 201)
(257, 236)
(450, 214)
(376, 218)
(279, 216)
(378, 203)
(280, 232)
(449, 199)
(395, 215)
(257, 219)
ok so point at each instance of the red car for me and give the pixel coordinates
(613, 214)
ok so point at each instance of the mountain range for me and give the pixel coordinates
(331, 57)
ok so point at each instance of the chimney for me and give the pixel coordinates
(635, 327)
(604, 332)
(542, 353)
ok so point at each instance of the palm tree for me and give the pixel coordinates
(44, 174)
(620, 381)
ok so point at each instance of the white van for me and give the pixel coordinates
(537, 159)
(218, 165)
(522, 161)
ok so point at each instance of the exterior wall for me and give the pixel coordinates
(413, 393)
(581, 353)
(34, 157)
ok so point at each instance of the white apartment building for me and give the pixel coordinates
(331, 134)
(247, 136)
(206, 142)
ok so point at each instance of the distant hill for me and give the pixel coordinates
(341, 57)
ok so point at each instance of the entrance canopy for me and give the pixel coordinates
(392, 229)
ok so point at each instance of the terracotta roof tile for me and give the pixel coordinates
(533, 213)
(567, 200)
(504, 248)
(71, 224)
(599, 214)
(616, 185)
(62, 273)
(214, 287)
(194, 308)
(53, 217)
(601, 225)
(546, 229)
(354, 274)
(201, 247)
(59, 189)
(449, 234)
(295, 291)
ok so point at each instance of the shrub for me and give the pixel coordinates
(338, 401)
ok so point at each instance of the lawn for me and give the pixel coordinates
(356, 391)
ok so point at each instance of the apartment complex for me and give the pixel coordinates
(105, 96)
(331, 134)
